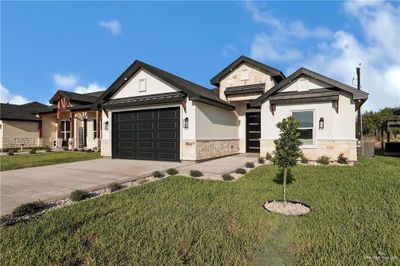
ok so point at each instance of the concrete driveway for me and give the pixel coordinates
(57, 181)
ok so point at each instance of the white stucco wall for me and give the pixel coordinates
(215, 123)
(153, 86)
(305, 83)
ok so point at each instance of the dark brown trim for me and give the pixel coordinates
(210, 102)
(304, 100)
(246, 89)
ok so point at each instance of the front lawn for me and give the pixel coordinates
(40, 159)
(180, 220)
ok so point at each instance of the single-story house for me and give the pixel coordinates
(151, 114)
(19, 125)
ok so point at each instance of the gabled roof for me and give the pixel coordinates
(16, 112)
(76, 97)
(357, 94)
(277, 74)
(35, 107)
(194, 91)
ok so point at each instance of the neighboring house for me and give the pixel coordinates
(151, 114)
(72, 121)
(19, 126)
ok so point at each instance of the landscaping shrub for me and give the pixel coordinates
(261, 160)
(10, 153)
(342, 159)
(76, 149)
(240, 171)
(89, 150)
(48, 149)
(115, 186)
(303, 159)
(195, 173)
(268, 156)
(78, 195)
(158, 174)
(324, 160)
(7, 219)
(172, 171)
(227, 177)
(29, 208)
(33, 151)
(65, 148)
(249, 165)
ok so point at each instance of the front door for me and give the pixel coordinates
(253, 132)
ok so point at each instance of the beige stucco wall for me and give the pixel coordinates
(153, 86)
(17, 133)
(337, 136)
(255, 76)
(49, 129)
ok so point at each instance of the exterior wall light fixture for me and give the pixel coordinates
(321, 123)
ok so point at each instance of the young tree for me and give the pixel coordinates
(287, 148)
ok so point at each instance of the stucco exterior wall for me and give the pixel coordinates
(255, 76)
(337, 136)
(49, 129)
(153, 86)
(19, 133)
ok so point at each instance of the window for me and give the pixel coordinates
(65, 132)
(306, 127)
(244, 75)
(142, 85)
(94, 128)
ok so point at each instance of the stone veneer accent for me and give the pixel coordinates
(206, 149)
(18, 142)
(330, 148)
(105, 147)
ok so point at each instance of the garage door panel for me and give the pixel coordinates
(147, 135)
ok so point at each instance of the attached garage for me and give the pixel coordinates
(146, 134)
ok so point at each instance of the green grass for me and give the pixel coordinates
(40, 159)
(180, 220)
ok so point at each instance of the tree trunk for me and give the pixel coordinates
(284, 184)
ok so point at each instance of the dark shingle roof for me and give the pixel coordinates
(193, 90)
(357, 94)
(251, 88)
(76, 97)
(277, 74)
(35, 107)
(16, 112)
(315, 95)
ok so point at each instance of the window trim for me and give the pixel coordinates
(312, 145)
(144, 89)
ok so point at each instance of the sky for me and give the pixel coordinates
(85, 46)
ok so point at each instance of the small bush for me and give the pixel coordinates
(29, 208)
(158, 174)
(82, 150)
(261, 160)
(172, 171)
(195, 173)
(249, 165)
(303, 159)
(227, 177)
(65, 148)
(324, 160)
(7, 219)
(115, 186)
(89, 150)
(33, 151)
(240, 171)
(268, 156)
(78, 195)
(10, 153)
(342, 159)
(76, 149)
(48, 149)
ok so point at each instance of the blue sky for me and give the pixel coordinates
(85, 46)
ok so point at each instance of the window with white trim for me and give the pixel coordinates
(142, 85)
(306, 128)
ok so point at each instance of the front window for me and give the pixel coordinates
(94, 129)
(306, 127)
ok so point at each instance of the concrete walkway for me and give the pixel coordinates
(57, 181)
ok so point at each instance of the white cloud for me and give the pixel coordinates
(114, 26)
(7, 97)
(65, 81)
(378, 51)
(92, 87)
(230, 50)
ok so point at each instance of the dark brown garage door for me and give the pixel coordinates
(146, 135)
